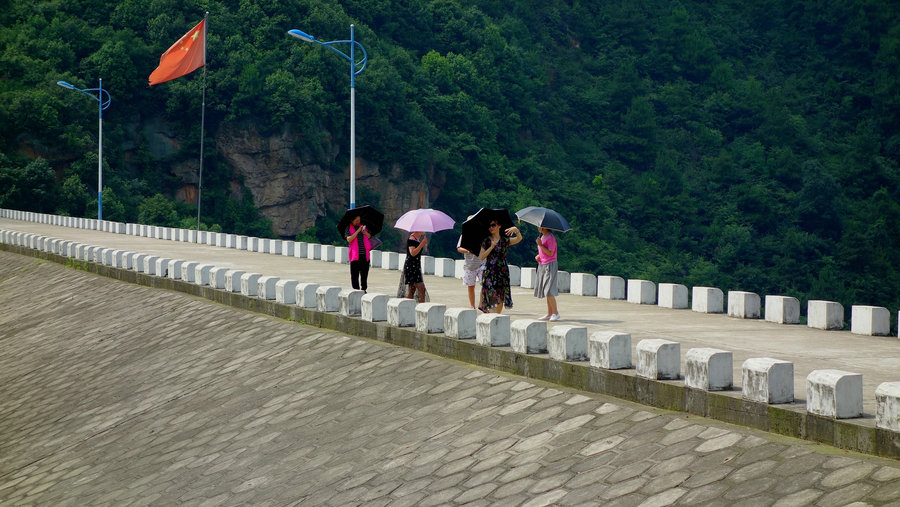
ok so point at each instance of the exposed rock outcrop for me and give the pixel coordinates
(294, 193)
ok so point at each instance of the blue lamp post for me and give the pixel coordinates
(103, 99)
(356, 67)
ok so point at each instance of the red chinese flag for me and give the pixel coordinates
(185, 56)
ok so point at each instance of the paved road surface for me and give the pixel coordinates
(114, 394)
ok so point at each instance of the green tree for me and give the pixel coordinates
(157, 210)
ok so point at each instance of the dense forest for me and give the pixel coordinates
(742, 145)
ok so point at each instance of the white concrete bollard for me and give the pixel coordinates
(743, 305)
(250, 283)
(658, 359)
(528, 336)
(567, 343)
(515, 276)
(401, 312)
(301, 250)
(459, 323)
(327, 298)
(350, 301)
(233, 280)
(306, 295)
(162, 267)
(887, 406)
(139, 262)
(641, 292)
(870, 320)
(265, 288)
(150, 264)
(189, 271)
(610, 350)
(673, 295)
(342, 255)
(528, 278)
(563, 281)
(375, 258)
(427, 265)
(444, 267)
(118, 258)
(709, 369)
(287, 248)
(430, 317)
(782, 309)
(314, 251)
(174, 269)
(275, 246)
(374, 307)
(767, 380)
(834, 393)
(201, 274)
(390, 260)
(707, 300)
(253, 244)
(610, 287)
(492, 330)
(583, 284)
(217, 277)
(328, 253)
(286, 292)
(459, 268)
(824, 315)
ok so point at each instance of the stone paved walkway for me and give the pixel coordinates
(112, 393)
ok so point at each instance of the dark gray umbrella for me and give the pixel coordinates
(543, 217)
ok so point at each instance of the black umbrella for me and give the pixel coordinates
(475, 229)
(543, 217)
(369, 216)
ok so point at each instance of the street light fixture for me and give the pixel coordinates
(356, 67)
(103, 99)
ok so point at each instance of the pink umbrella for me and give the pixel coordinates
(425, 220)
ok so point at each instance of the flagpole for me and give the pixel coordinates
(202, 122)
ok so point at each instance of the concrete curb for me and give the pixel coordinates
(791, 419)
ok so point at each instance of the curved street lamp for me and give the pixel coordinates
(103, 99)
(356, 67)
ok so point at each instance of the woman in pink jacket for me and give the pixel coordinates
(358, 238)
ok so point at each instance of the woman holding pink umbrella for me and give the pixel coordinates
(419, 221)
(412, 267)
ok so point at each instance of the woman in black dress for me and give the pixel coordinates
(412, 267)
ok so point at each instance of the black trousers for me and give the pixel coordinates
(359, 274)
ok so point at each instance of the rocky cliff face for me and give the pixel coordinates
(287, 188)
(294, 193)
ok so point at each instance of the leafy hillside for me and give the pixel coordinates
(743, 145)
